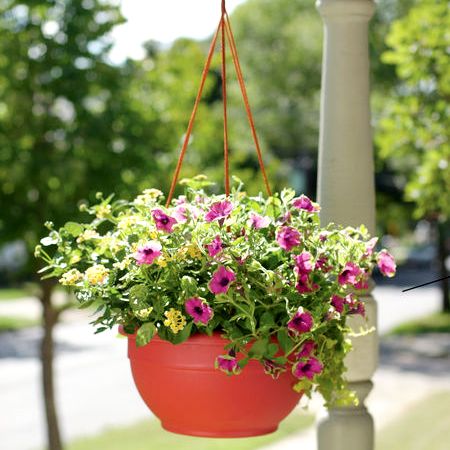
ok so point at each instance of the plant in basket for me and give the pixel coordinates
(208, 285)
(261, 273)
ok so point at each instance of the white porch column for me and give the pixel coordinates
(346, 189)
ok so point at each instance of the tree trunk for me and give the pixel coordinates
(443, 272)
(50, 318)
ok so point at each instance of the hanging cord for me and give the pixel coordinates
(193, 114)
(224, 98)
(226, 33)
(241, 81)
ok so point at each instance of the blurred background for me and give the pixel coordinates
(95, 95)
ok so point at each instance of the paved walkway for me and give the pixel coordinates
(89, 368)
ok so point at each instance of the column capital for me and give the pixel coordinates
(346, 10)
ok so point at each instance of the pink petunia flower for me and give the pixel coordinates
(219, 210)
(228, 364)
(148, 253)
(322, 264)
(163, 221)
(221, 280)
(256, 221)
(307, 369)
(355, 306)
(288, 238)
(215, 247)
(199, 310)
(180, 214)
(307, 348)
(304, 203)
(304, 284)
(272, 368)
(370, 246)
(301, 322)
(386, 263)
(363, 283)
(338, 303)
(350, 274)
(303, 263)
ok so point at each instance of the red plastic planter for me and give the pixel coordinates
(183, 389)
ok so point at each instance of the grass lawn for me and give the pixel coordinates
(12, 294)
(436, 323)
(10, 323)
(424, 427)
(149, 435)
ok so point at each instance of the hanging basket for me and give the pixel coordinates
(183, 389)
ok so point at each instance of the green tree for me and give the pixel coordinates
(68, 127)
(414, 130)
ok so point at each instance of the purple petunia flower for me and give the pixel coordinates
(304, 203)
(350, 274)
(221, 280)
(148, 253)
(272, 368)
(256, 221)
(304, 284)
(219, 210)
(288, 238)
(163, 221)
(321, 264)
(307, 369)
(199, 310)
(386, 263)
(215, 247)
(228, 364)
(180, 214)
(301, 322)
(338, 303)
(303, 263)
(307, 348)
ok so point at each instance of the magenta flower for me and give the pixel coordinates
(338, 303)
(219, 210)
(355, 306)
(163, 221)
(301, 322)
(303, 263)
(272, 368)
(148, 253)
(321, 264)
(304, 203)
(221, 280)
(350, 274)
(307, 369)
(362, 284)
(288, 238)
(304, 284)
(256, 221)
(199, 310)
(307, 348)
(215, 246)
(228, 364)
(386, 263)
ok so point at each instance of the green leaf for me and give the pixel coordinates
(271, 351)
(259, 348)
(285, 341)
(73, 228)
(145, 333)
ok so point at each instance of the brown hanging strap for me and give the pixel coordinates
(226, 33)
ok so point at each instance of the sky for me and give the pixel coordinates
(164, 21)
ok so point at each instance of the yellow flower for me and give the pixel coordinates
(161, 261)
(175, 320)
(143, 313)
(71, 277)
(127, 222)
(148, 196)
(153, 235)
(97, 274)
(103, 211)
(87, 235)
(193, 251)
(121, 265)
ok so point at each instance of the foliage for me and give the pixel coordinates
(254, 269)
(67, 124)
(14, 323)
(436, 323)
(414, 130)
(150, 436)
